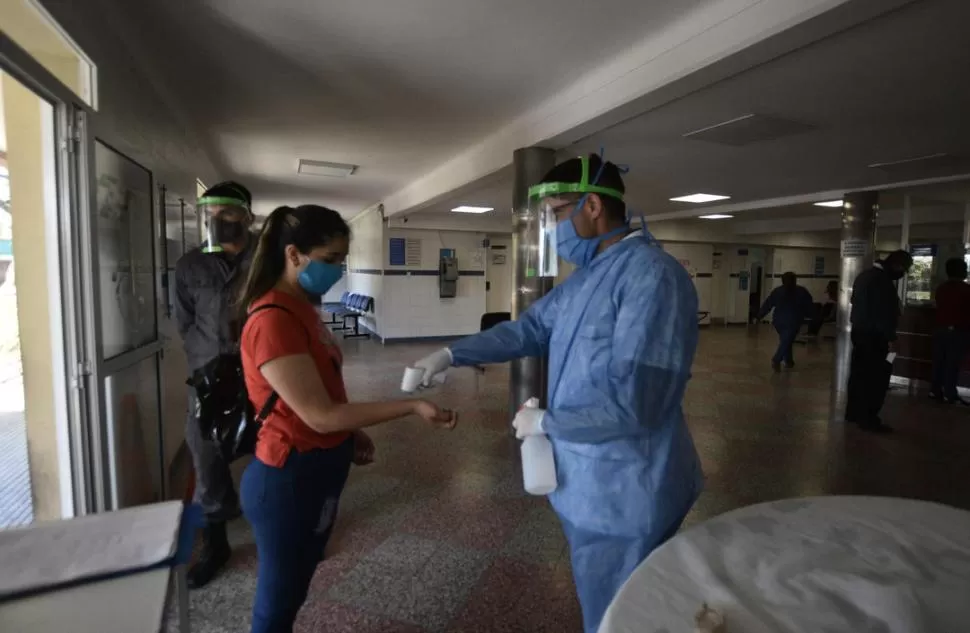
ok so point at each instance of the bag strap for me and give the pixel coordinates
(274, 397)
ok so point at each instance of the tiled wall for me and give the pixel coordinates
(412, 307)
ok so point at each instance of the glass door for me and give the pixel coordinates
(125, 275)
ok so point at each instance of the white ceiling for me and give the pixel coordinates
(882, 91)
(395, 87)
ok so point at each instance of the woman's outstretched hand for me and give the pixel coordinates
(363, 449)
(435, 416)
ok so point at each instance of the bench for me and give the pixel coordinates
(352, 306)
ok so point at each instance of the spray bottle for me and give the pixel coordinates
(538, 463)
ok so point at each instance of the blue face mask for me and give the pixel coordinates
(577, 250)
(319, 277)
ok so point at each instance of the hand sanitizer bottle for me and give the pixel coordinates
(538, 463)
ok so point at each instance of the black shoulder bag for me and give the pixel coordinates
(231, 420)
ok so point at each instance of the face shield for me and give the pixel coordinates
(225, 220)
(554, 204)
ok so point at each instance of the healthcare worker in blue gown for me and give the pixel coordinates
(620, 333)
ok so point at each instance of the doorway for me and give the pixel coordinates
(31, 440)
(498, 274)
(755, 295)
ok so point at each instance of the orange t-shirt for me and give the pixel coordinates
(273, 333)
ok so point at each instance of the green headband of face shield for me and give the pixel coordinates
(548, 189)
(223, 201)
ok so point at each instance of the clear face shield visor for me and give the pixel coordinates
(224, 220)
(549, 211)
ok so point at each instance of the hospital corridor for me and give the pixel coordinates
(438, 534)
(467, 316)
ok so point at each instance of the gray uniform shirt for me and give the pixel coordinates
(205, 289)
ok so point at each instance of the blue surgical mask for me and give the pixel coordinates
(319, 277)
(577, 250)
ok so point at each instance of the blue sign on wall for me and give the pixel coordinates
(396, 251)
(819, 266)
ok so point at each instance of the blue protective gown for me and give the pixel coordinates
(620, 334)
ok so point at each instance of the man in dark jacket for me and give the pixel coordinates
(875, 315)
(792, 304)
(205, 282)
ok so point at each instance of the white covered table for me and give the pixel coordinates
(818, 565)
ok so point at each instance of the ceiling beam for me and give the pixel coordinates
(708, 38)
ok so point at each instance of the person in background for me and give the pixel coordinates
(875, 315)
(310, 433)
(829, 310)
(205, 280)
(952, 336)
(620, 333)
(792, 304)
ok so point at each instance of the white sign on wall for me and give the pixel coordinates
(855, 247)
(412, 252)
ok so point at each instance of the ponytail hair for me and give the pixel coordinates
(305, 227)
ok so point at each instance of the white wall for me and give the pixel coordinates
(412, 307)
(802, 262)
(365, 265)
(497, 221)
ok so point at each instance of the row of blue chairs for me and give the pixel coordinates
(351, 307)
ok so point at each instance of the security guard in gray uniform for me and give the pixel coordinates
(206, 279)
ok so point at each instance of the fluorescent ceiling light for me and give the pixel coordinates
(323, 168)
(716, 216)
(467, 209)
(698, 198)
(829, 203)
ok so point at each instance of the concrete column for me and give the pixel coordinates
(859, 213)
(527, 377)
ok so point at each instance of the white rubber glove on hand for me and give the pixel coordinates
(434, 365)
(528, 421)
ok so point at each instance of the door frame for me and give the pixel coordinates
(77, 380)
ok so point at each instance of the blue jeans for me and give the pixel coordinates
(786, 339)
(291, 510)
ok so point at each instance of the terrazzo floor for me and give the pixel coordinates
(438, 536)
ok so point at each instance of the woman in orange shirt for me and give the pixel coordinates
(311, 434)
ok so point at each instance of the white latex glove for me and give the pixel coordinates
(434, 365)
(528, 421)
